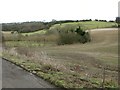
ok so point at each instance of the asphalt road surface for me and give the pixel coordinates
(15, 77)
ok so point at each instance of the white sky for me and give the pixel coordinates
(39, 10)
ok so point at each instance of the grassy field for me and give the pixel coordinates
(70, 66)
(68, 26)
(51, 35)
(40, 32)
(84, 25)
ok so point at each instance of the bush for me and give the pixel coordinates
(67, 38)
(85, 38)
(71, 37)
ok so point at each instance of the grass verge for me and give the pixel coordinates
(55, 75)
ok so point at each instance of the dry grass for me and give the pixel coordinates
(82, 61)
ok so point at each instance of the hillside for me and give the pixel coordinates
(70, 66)
(27, 27)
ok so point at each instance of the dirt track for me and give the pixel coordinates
(104, 29)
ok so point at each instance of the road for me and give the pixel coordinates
(15, 77)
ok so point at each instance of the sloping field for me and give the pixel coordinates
(78, 65)
(104, 46)
(84, 25)
(92, 57)
(88, 25)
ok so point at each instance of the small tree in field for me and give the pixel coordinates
(83, 36)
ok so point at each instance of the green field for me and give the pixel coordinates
(70, 66)
(68, 26)
(36, 32)
(84, 25)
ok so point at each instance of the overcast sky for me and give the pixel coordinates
(39, 10)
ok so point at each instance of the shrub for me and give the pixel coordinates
(83, 36)
(73, 36)
(67, 38)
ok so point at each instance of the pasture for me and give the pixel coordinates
(70, 66)
(84, 25)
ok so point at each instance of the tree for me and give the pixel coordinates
(96, 19)
(83, 36)
(80, 31)
(118, 21)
